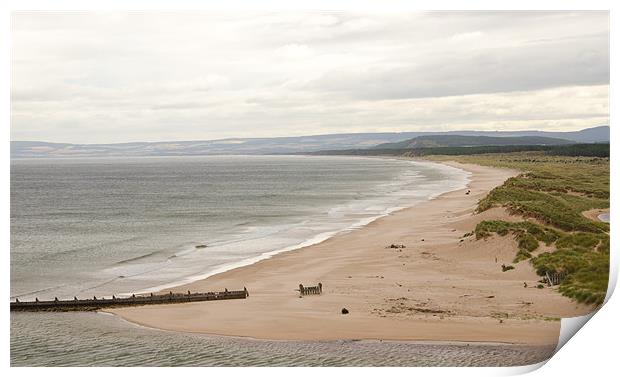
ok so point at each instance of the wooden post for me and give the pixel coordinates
(320, 288)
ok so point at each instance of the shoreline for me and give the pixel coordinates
(207, 350)
(314, 240)
(143, 267)
(402, 295)
(360, 340)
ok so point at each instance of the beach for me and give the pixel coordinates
(440, 287)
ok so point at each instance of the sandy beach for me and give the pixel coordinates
(440, 287)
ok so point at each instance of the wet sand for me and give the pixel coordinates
(92, 339)
(441, 287)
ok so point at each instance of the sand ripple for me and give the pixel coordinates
(88, 339)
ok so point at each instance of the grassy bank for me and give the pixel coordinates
(551, 194)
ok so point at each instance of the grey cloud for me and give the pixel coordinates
(122, 76)
(528, 67)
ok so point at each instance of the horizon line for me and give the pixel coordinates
(299, 136)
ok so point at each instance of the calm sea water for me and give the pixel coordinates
(84, 227)
(89, 339)
(106, 226)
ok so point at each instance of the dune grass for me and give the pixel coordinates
(551, 193)
(527, 234)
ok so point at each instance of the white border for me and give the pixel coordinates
(593, 349)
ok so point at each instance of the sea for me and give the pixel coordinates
(84, 227)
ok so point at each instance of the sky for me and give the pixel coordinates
(109, 77)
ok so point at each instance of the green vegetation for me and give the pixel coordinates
(551, 193)
(549, 207)
(527, 234)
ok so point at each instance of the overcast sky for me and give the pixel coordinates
(119, 77)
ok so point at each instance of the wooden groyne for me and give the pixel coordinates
(312, 290)
(101, 303)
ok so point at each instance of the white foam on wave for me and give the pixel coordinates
(458, 179)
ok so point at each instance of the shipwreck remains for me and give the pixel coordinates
(114, 302)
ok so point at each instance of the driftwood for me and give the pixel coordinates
(100, 303)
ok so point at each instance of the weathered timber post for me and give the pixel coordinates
(301, 289)
(247, 294)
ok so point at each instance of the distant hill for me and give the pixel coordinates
(278, 145)
(431, 141)
(598, 134)
(582, 150)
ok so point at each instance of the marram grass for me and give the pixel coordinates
(551, 193)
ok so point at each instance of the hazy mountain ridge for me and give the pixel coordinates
(431, 141)
(280, 145)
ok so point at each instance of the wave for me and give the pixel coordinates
(231, 210)
(457, 179)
